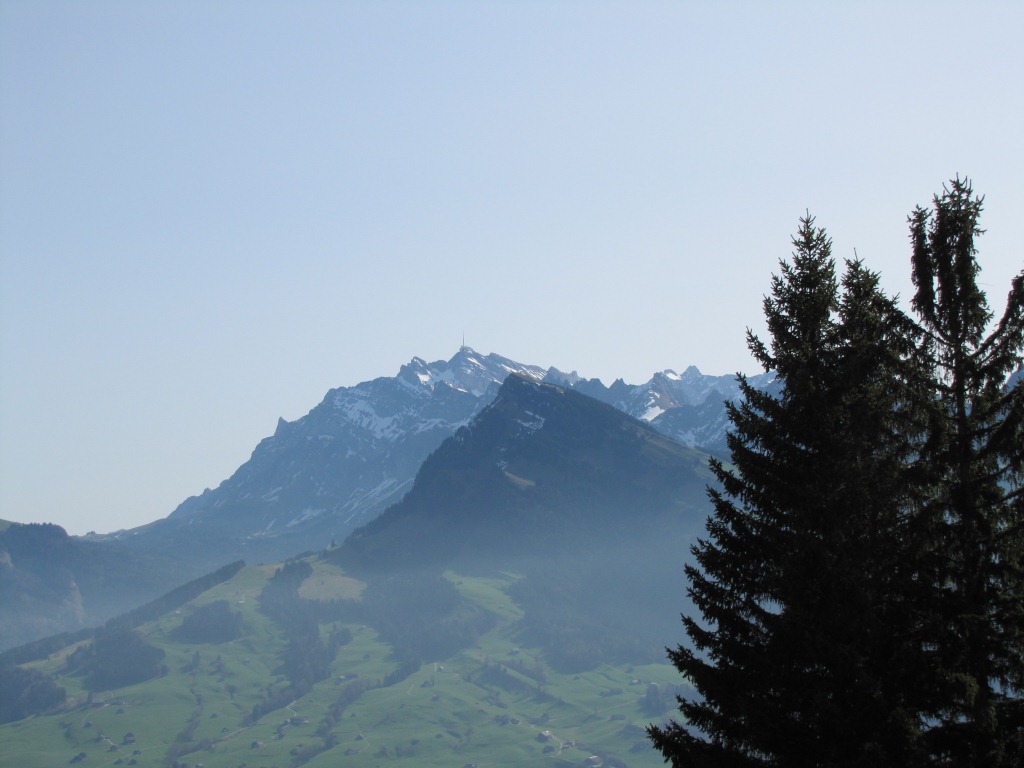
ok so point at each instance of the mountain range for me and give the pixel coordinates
(514, 605)
(511, 603)
(320, 477)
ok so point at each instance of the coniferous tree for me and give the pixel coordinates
(975, 452)
(807, 653)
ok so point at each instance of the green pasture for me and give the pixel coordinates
(491, 705)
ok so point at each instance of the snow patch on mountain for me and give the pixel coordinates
(652, 413)
(306, 514)
(532, 424)
(361, 500)
(362, 414)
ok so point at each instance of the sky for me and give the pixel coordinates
(213, 213)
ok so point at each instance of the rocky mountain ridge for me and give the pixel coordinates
(319, 477)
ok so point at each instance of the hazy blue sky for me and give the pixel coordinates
(212, 213)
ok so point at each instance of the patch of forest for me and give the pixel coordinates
(116, 657)
(27, 692)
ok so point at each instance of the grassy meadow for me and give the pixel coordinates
(493, 704)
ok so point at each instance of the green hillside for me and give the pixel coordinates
(489, 701)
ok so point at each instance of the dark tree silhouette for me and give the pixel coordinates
(975, 452)
(862, 582)
(805, 653)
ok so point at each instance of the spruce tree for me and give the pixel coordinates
(808, 651)
(975, 453)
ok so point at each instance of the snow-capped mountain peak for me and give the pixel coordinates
(358, 451)
(468, 371)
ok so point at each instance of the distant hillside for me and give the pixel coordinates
(51, 582)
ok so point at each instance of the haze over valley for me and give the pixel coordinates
(432, 384)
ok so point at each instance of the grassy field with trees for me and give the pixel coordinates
(245, 700)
